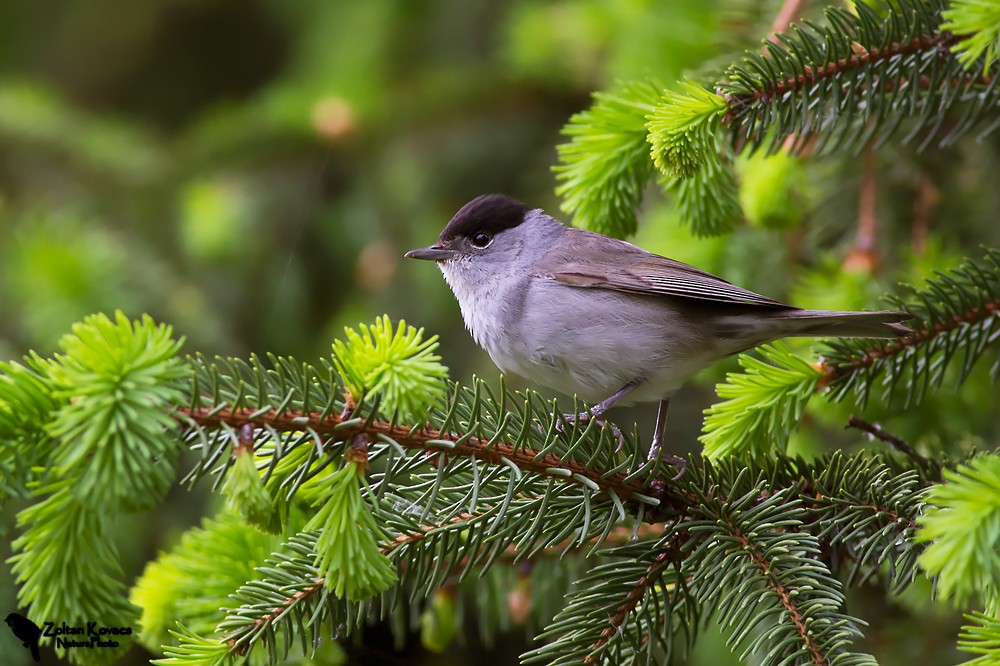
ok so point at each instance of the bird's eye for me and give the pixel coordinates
(481, 239)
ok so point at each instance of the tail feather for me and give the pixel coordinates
(833, 324)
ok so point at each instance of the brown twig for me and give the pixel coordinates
(927, 198)
(789, 11)
(864, 256)
(894, 441)
(618, 536)
(628, 605)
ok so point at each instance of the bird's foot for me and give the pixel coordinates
(679, 463)
(676, 461)
(567, 421)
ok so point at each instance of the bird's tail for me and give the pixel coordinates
(833, 324)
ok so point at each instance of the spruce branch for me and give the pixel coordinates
(762, 406)
(680, 126)
(396, 364)
(628, 605)
(857, 77)
(186, 587)
(102, 411)
(347, 546)
(623, 484)
(764, 566)
(956, 316)
(624, 610)
(27, 405)
(867, 511)
(771, 573)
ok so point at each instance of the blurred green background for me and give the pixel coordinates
(252, 172)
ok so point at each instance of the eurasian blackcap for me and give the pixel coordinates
(590, 315)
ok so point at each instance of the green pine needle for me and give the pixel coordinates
(119, 379)
(763, 405)
(708, 201)
(67, 566)
(191, 584)
(245, 491)
(962, 525)
(349, 556)
(978, 23)
(682, 129)
(605, 166)
(195, 650)
(982, 637)
(396, 365)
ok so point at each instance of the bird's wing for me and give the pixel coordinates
(588, 264)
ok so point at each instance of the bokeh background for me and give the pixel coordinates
(252, 171)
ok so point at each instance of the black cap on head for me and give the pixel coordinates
(491, 213)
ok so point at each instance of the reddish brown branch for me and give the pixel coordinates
(426, 439)
(861, 58)
(784, 597)
(875, 353)
(927, 198)
(864, 257)
(618, 536)
(626, 607)
(789, 11)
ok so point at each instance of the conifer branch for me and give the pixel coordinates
(766, 569)
(882, 351)
(628, 605)
(427, 439)
(862, 57)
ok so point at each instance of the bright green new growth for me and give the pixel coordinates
(183, 587)
(348, 555)
(981, 637)
(116, 378)
(395, 365)
(962, 525)
(682, 130)
(26, 406)
(245, 491)
(763, 405)
(978, 24)
(101, 410)
(708, 201)
(605, 166)
(774, 190)
(194, 649)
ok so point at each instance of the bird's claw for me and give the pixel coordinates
(679, 463)
(568, 420)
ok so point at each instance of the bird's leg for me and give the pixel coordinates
(598, 410)
(654, 447)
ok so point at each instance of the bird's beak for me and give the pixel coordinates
(432, 253)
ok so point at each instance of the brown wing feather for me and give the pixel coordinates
(579, 263)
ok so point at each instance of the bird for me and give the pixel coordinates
(25, 631)
(600, 318)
